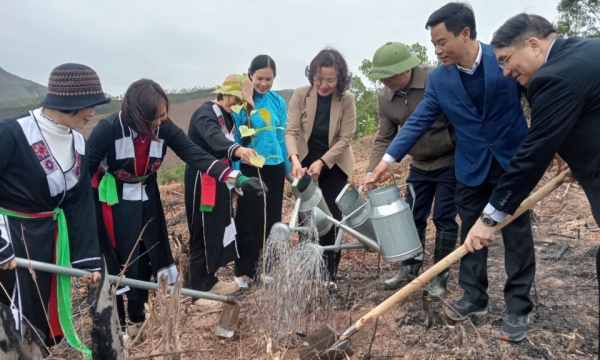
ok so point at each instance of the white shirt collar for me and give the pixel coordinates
(475, 64)
(548, 53)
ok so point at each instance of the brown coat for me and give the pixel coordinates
(342, 124)
(435, 149)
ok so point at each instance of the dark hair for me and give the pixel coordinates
(456, 16)
(329, 57)
(70, 112)
(521, 27)
(140, 106)
(219, 97)
(262, 62)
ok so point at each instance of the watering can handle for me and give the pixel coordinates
(412, 192)
(363, 185)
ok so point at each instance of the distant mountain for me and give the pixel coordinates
(18, 95)
(15, 91)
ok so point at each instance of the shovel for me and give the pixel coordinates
(321, 346)
(229, 315)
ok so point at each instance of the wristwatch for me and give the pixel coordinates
(487, 220)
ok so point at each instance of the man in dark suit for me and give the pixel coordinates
(485, 109)
(563, 84)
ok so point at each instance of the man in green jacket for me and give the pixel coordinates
(432, 166)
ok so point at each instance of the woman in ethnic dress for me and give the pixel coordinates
(126, 151)
(208, 204)
(250, 218)
(46, 204)
(320, 125)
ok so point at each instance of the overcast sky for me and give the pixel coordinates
(187, 43)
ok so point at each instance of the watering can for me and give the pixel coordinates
(385, 217)
(311, 198)
(311, 204)
(393, 224)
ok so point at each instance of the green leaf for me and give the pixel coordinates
(273, 157)
(265, 115)
(236, 108)
(270, 128)
(305, 344)
(245, 131)
(257, 161)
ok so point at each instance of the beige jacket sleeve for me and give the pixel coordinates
(292, 127)
(346, 133)
(385, 135)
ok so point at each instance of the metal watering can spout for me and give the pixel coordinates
(369, 243)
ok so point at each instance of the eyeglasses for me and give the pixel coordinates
(511, 53)
(326, 81)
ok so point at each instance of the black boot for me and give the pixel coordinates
(445, 243)
(409, 269)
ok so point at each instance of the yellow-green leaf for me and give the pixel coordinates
(265, 115)
(252, 112)
(242, 78)
(245, 131)
(269, 128)
(257, 161)
(236, 108)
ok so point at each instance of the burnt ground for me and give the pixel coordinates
(565, 294)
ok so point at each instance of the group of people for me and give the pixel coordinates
(71, 202)
(463, 124)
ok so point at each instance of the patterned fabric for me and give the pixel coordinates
(77, 167)
(48, 165)
(74, 83)
(123, 175)
(155, 166)
(41, 150)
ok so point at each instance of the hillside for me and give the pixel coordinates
(180, 113)
(15, 91)
(18, 95)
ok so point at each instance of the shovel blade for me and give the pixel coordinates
(228, 320)
(339, 351)
(323, 345)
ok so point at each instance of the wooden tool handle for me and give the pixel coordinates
(445, 263)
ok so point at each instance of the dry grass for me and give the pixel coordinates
(565, 296)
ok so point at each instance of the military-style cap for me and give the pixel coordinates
(392, 59)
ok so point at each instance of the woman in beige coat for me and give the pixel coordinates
(321, 121)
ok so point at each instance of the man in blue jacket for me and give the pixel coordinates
(485, 109)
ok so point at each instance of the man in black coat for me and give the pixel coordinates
(563, 86)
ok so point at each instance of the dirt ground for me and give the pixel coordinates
(565, 294)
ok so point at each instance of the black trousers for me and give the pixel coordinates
(437, 184)
(519, 255)
(331, 183)
(199, 277)
(135, 304)
(250, 217)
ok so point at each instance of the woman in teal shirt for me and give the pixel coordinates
(249, 218)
